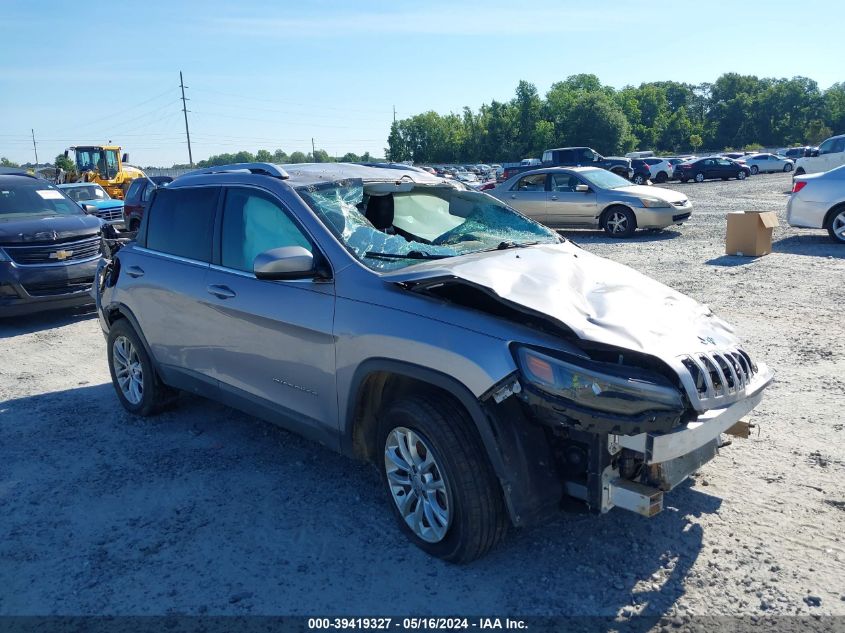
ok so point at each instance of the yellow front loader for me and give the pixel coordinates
(104, 165)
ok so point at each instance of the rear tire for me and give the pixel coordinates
(755, 170)
(741, 176)
(638, 179)
(800, 171)
(440, 484)
(133, 376)
(661, 177)
(699, 177)
(836, 225)
(134, 225)
(619, 222)
(787, 168)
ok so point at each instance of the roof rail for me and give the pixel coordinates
(266, 169)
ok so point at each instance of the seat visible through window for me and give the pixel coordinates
(252, 224)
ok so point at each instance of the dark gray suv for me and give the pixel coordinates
(49, 247)
(489, 368)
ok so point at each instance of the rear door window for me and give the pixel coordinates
(134, 189)
(535, 182)
(181, 222)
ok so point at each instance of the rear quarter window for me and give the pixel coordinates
(181, 222)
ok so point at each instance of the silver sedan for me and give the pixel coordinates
(592, 197)
(818, 202)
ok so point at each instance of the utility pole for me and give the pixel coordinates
(313, 151)
(394, 114)
(35, 147)
(185, 112)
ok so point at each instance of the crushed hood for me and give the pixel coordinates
(599, 300)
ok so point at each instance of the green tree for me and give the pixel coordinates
(350, 157)
(816, 132)
(280, 157)
(696, 141)
(263, 156)
(5, 162)
(65, 163)
(598, 122)
(321, 156)
(299, 157)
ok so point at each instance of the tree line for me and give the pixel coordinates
(280, 157)
(736, 111)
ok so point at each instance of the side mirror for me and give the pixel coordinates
(67, 154)
(90, 209)
(125, 158)
(286, 262)
(814, 152)
(582, 188)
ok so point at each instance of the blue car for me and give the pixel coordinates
(106, 208)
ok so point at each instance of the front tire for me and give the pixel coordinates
(134, 379)
(741, 175)
(442, 489)
(638, 179)
(699, 177)
(787, 168)
(755, 170)
(661, 177)
(800, 171)
(836, 225)
(619, 222)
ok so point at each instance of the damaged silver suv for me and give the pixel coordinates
(490, 369)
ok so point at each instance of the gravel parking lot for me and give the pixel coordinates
(205, 510)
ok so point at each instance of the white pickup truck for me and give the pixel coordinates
(829, 155)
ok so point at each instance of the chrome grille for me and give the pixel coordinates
(110, 215)
(55, 253)
(720, 377)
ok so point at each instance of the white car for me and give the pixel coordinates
(764, 163)
(661, 169)
(829, 155)
(818, 202)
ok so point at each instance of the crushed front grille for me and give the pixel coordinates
(720, 377)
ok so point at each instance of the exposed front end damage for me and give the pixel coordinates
(644, 406)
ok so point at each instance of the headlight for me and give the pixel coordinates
(599, 386)
(654, 203)
(4, 257)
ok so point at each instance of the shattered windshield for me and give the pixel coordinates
(389, 226)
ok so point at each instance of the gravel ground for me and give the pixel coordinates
(205, 510)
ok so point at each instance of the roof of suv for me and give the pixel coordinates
(303, 174)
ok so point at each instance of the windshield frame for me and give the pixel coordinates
(397, 263)
(587, 175)
(39, 185)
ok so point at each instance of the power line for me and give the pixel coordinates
(185, 112)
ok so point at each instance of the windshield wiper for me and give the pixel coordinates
(408, 255)
(505, 245)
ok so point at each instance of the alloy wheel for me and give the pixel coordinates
(417, 484)
(837, 225)
(617, 222)
(128, 370)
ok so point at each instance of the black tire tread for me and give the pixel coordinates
(484, 507)
(157, 396)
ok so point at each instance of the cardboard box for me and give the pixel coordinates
(750, 233)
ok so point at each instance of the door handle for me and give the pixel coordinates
(221, 292)
(513, 196)
(554, 197)
(135, 271)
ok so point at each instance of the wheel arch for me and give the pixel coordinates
(116, 311)
(834, 210)
(511, 447)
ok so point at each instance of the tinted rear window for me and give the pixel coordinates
(181, 222)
